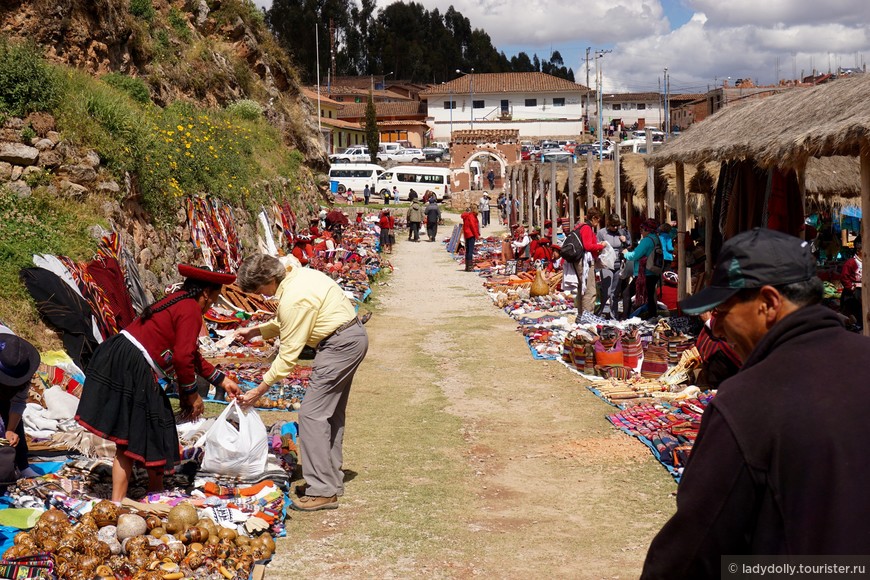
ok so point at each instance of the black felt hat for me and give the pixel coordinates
(18, 360)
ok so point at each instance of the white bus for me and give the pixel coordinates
(416, 178)
(354, 176)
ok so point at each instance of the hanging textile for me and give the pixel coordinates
(213, 233)
(106, 272)
(95, 296)
(63, 309)
(783, 211)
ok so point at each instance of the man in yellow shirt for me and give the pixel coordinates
(312, 310)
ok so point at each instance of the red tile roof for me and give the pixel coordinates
(489, 83)
(632, 97)
(407, 109)
(339, 124)
(312, 96)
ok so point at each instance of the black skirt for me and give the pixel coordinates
(122, 402)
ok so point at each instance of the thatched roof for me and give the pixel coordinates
(783, 130)
(832, 181)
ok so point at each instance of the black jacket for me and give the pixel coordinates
(781, 464)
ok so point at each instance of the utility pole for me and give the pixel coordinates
(667, 126)
(588, 48)
(599, 68)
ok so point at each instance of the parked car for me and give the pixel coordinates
(436, 153)
(607, 152)
(584, 148)
(550, 146)
(556, 156)
(525, 152)
(357, 154)
(403, 156)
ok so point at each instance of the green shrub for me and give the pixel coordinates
(27, 133)
(38, 178)
(142, 9)
(27, 82)
(136, 88)
(246, 109)
(179, 23)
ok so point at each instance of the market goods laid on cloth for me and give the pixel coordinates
(643, 368)
(235, 471)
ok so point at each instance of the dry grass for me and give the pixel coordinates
(468, 458)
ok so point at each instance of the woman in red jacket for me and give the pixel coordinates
(471, 232)
(121, 398)
(386, 224)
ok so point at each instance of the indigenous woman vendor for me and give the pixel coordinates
(312, 310)
(121, 398)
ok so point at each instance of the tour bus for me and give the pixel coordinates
(416, 178)
(354, 176)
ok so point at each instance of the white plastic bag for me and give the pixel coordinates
(607, 257)
(238, 452)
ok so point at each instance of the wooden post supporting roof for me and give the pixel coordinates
(682, 272)
(650, 180)
(519, 195)
(590, 178)
(802, 190)
(708, 235)
(865, 233)
(530, 196)
(571, 212)
(617, 191)
(554, 209)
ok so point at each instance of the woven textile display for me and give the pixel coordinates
(213, 233)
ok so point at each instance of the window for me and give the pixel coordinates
(617, 107)
(478, 104)
(449, 104)
(559, 102)
(531, 102)
(641, 106)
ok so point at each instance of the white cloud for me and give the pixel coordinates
(767, 13)
(733, 38)
(701, 53)
(546, 23)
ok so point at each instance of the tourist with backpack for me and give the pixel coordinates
(578, 253)
(648, 252)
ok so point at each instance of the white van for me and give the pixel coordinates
(476, 172)
(416, 178)
(354, 176)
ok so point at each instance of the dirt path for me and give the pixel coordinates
(466, 457)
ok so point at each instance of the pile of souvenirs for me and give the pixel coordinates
(646, 369)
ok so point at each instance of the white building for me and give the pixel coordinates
(537, 104)
(640, 109)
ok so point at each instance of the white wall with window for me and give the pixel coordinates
(631, 109)
(536, 115)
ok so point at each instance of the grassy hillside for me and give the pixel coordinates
(231, 153)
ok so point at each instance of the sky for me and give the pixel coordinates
(702, 43)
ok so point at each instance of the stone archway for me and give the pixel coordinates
(462, 156)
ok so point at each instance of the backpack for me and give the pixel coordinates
(655, 263)
(572, 248)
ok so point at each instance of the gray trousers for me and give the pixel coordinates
(322, 414)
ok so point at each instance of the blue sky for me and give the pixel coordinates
(701, 42)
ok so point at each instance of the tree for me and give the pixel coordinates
(372, 133)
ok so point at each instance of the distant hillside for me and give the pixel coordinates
(114, 112)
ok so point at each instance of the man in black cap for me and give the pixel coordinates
(780, 465)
